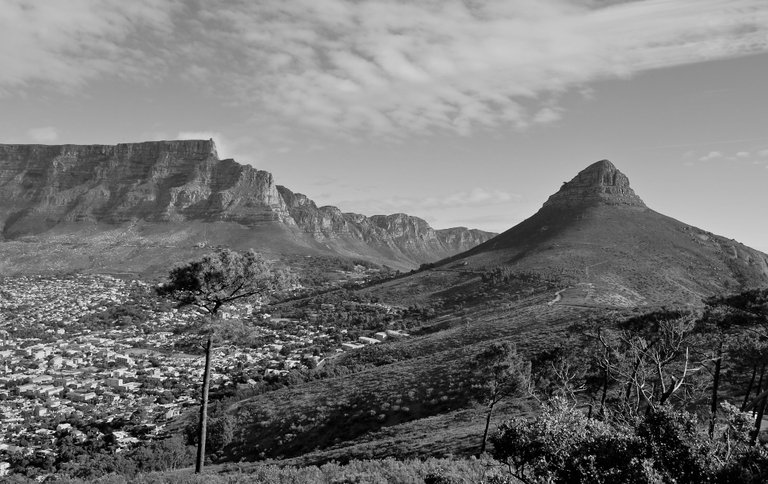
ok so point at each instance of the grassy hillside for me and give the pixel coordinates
(401, 382)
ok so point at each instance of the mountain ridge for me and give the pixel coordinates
(46, 188)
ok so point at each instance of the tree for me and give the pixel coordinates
(749, 308)
(500, 373)
(721, 325)
(210, 283)
(652, 360)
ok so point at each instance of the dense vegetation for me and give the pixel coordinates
(672, 395)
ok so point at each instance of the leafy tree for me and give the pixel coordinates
(212, 282)
(162, 455)
(747, 309)
(721, 325)
(222, 432)
(499, 373)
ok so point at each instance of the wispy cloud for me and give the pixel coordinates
(46, 134)
(68, 45)
(757, 157)
(383, 67)
(477, 197)
(394, 68)
(712, 155)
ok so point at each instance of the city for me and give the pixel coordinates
(102, 350)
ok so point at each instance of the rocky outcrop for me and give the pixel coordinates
(600, 182)
(42, 187)
(462, 239)
(400, 232)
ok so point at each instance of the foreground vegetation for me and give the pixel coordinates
(585, 395)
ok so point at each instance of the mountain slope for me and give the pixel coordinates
(598, 237)
(594, 251)
(177, 194)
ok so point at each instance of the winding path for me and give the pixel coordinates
(558, 297)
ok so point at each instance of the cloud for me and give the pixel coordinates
(759, 157)
(396, 68)
(386, 68)
(477, 197)
(67, 46)
(712, 155)
(47, 134)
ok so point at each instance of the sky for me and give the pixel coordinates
(461, 112)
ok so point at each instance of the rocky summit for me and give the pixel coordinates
(600, 182)
(164, 195)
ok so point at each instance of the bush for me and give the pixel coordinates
(562, 445)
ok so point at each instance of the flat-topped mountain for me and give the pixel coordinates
(180, 194)
(166, 181)
(601, 241)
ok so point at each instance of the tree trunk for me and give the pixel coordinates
(715, 385)
(202, 428)
(749, 388)
(758, 420)
(760, 381)
(487, 425)
(632, 380)
(605, 392)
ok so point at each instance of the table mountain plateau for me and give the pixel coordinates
(135, 206)
(606, 247)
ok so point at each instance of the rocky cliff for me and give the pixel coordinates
(41, 186)
(600, 182)
(393, 233)
(47, 188)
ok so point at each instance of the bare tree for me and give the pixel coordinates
(653, 367)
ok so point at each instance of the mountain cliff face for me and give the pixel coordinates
(47, 188)
(397, 233)
(41, 186)
(600, 182)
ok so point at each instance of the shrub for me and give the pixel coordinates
(562, 445)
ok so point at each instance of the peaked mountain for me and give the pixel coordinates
(170, 198)
(606, 247)
(594, 251)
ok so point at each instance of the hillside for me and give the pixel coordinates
(593, 251)
(137, 207)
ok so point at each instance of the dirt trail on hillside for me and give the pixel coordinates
(558, 297)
